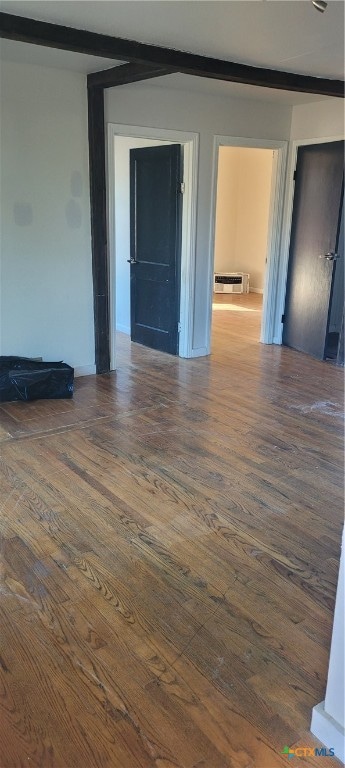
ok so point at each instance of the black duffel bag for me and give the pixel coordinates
(22, 378)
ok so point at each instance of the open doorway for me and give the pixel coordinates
(267, 320)
(242, 233)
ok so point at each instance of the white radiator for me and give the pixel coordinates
(231, 282)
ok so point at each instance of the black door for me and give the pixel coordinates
(314, 243)
(155, 215)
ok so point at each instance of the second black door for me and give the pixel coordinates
(155, 221)
(314, 246)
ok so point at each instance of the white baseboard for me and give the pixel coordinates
(84, 370)
(199, 352)
(256, 290)
(123, 329)
(328, 731)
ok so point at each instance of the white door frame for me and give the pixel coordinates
(286, 228)
(274, 226)
(190, 142)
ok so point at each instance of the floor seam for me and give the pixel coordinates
(209, 618)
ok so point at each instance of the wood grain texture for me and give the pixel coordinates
(169, 551)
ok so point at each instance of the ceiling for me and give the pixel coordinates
(289, 35)
(53, 57)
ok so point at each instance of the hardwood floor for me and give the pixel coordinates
(170, 541)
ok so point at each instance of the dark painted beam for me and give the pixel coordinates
(124, 74)
(81, 41)
(99, 228)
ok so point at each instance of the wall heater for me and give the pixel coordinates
(231, 282)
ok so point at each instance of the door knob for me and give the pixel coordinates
(331, 256)
(131, 261)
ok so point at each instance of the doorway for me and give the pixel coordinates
(315, 290)
(123, 145)
(244, 191)
(243, 200)
(121, 139)
(156, 184)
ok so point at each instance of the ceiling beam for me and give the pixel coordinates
(124, 74)
(81, 41)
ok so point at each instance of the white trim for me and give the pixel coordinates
(271, 284)
(199, 352)
(110, 182)
(123, 329)
(328, 731)
(84, 370)
(286, 228)
(190, 142)
(319, 140)
(275, 227)
(188, 245)
(256, 290)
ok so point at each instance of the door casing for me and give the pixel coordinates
(156, 174)
(274, 227)
(318, 202)
(286, 229)
(190, 143)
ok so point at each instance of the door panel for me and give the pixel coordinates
(315, 232)
(155, 214)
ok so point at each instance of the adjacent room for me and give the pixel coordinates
(244, 189)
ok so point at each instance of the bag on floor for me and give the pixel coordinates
(24, 379)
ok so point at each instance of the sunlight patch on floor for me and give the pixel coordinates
(233, 307)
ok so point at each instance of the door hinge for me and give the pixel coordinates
(283, 318)
(179, 328)
(295, 174)
(182, 187)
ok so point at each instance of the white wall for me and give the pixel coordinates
(243, 204)
(318, 120)
(226, 210)
(46, 276)
(122, 147)
(153, 106)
